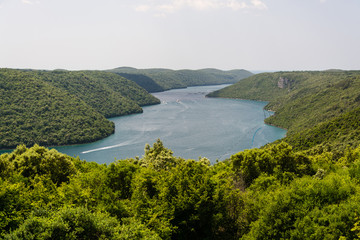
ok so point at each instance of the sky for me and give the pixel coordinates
(271, 35)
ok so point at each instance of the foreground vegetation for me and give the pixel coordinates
(269, 193)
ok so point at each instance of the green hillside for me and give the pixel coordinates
(301, 100)
(64, 107)
(126, 88)
(108, 93)
(338, 133)
(34, 111)
(169, 79)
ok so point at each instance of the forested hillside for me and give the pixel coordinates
(169, 79)
(108, 93)
(63, 107)
(314, 103)
(269, 193)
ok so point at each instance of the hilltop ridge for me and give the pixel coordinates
(170, 79)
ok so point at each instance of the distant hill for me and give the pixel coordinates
(143, 81)
(169, 79)
(303, 100)
(63, 107)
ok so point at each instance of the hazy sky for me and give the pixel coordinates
(178, 34)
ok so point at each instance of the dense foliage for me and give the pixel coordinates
(169, 79)
(63, 107)
(108, 93)
(341, 131)
(34, 111)
(269, 193)
(315, 107)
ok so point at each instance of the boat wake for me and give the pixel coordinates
(108, 147)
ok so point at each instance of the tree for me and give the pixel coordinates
(41, 161)
(158, 157)
(276, 159)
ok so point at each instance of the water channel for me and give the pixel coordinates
(188, 123)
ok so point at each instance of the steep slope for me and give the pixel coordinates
(335, 134)
(169, 79)
(34, 111)
(125, 87)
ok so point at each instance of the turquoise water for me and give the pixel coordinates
(187, 123)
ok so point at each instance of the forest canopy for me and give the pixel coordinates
(269, 193)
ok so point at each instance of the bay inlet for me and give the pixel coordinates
(188, 123)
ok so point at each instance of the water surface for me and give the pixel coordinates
(187, 123)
